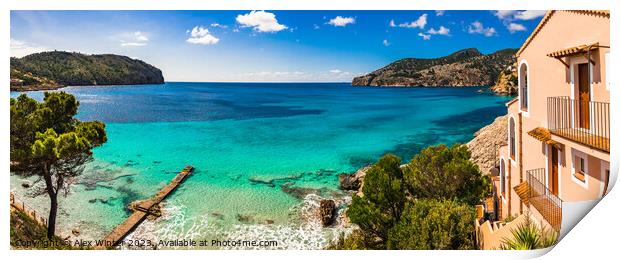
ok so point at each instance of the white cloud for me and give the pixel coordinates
(341, 21)
(478, 28)
(515, 27)
(273, 76)
(504, 14)
(201, 35)
(140, 37)
(440, 12)
(132, 44)
(135, 39)
(508, 17)
(441, 31)
(425, 37)
(217, 25)
(20, 48)
(260, 21)
(529, 14)
(336, 74)
(511, 15)
(419, 23)
(392, 24)
(386, 42)
(331, 75)
(316, 27)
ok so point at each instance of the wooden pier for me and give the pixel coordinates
(141, 210)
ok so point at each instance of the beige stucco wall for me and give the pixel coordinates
(512, 166)
(548, 77)
(490, 235)
(573, 189)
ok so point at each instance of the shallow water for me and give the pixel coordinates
(248, 141)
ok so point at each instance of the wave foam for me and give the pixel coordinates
(305, 230)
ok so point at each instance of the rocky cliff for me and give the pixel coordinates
(50, 70)
(466, 67)
(507, 81)
(484, 147)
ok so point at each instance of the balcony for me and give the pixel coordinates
(534, 192)
(584, 122)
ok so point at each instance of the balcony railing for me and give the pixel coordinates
(585, 122)
(543, 199)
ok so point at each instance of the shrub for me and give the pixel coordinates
(443, 172)
(380, 207)
(528, 236)
(433, 224)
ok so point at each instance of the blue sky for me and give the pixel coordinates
(269, 46)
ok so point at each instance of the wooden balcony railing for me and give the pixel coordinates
(585, 122)
(541, 197)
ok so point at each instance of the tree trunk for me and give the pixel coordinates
(51, 221)
(53, 194)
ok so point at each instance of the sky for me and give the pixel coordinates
(269, 46)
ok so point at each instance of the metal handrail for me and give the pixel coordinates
(585, 122)
(551, 211)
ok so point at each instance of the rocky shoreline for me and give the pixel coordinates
(484, 147)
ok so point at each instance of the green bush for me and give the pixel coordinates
(443, 172)
(428, 205)
(434, 224)
(380, 207)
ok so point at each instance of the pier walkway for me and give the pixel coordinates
(141, 210)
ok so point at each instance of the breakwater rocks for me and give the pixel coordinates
(484, 147)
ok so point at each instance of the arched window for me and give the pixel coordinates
(523, 86)
(511, 137)
(502, 177)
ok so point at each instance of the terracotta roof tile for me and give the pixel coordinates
(573, 50)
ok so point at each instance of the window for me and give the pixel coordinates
(502, 178)
(580, 168)
(582, 163)
(511, 138)
(523, 86)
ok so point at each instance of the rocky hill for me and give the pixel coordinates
(51, 70)
(466, 67)
(507, 81)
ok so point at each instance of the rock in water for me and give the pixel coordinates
(327, 210)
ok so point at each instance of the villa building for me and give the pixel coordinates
(557, 156)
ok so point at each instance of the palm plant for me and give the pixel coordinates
(528, 236)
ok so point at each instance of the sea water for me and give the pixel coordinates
(264, 153)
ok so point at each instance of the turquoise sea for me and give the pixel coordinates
(264, 153)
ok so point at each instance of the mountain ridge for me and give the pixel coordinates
(466, 67)
(55, 69)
